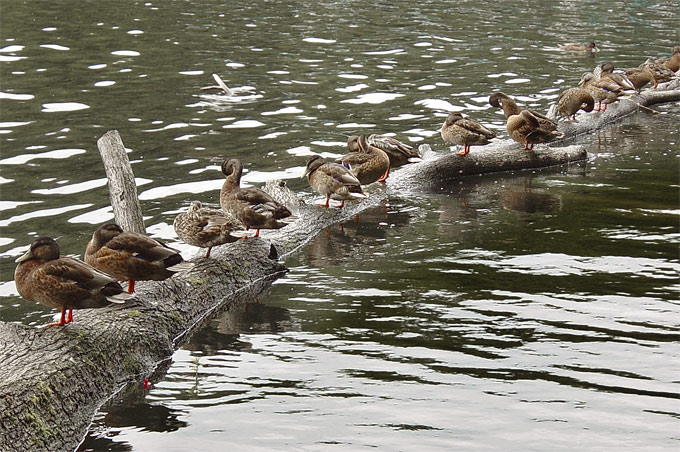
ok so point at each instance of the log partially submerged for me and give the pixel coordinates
(54, 380)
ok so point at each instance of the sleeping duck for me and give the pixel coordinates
(527, 128)
(255, 208)
(205, 227)
(465, 132)
(368, 163)
(399, 153)
(332, 180)
(63, 282)
(547, 128)
(131, 256)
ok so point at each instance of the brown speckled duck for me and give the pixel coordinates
(205, 227)
(465, 132)
(368, 163)
(333, 180)
(398, 152)
(606, 70)
(603, 91)
(673, 63)
(579, 47)
(547, 128)
(252, 206)
(527, 129)
(130, 256)
(572, 100)
(63, 282)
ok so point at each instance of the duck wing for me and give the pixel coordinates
(475, 127)
(389, 144)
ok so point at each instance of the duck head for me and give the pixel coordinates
(42, 249)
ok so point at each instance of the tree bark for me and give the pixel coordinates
(54, 380)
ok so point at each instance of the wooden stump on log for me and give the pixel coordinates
(53, 381)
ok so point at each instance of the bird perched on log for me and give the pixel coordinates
(606, 70)
(604, 91)
(333, 180)
(465, 132)
(63, 282)
(672, 63)
(526, 128)
(368, 163)
(205, 227)
(572, 100)
(547, 128)
(588, 47)
(399, 153)
(131, 256)
(255, 208)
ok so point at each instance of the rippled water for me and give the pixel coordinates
(530, 311)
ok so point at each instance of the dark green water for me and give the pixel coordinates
(529, 311)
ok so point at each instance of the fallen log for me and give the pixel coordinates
(54, 380)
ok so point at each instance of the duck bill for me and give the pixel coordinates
(306, 173)
(26, 256)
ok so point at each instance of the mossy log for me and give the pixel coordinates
(53, 380)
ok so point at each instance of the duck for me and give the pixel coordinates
(131, 256)
(579, 47)
(673, 63)
(465, 132)
(63, 282)
(399, 152)
(252, 206)
(510, 108)
(368, 163)
(603, 91)
(606, 70)
(205, 227)
(640, 76)
(332, 180)
(526, 128)
(572, 100)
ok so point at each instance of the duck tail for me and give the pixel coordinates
(120, 298)
(289, 219)
(180, 266)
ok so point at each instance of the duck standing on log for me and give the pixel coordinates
(332, 180)
(131, 256)
(368, 163)
(672, 63)
(205, 227)
(399, 153)
(525, 126)
(465, 132)
(63, 282)
(255, 208)
(572, 100)
(606, 70)
(603, 91)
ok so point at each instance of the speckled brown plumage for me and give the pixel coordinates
(465, 132)
(572, 100)
(332, 180)
(604, 91)
(368, 163)
(205, 227)
(63, 282)
(525, 128)
(132, 256)
(252, 206)
(399, 153)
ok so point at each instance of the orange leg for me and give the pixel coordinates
(131, 286)
(257, 233)
(526, 146)
(383, 177)
(327, 203)
(207, 254)
(342, 204)
(63, 320)
(466, 150)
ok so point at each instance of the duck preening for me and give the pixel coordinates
(131, 256)
(332, 180)
(63, 282)
(572, 100)
(525, 126)
(255, 208)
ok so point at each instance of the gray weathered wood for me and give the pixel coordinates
(122, 187)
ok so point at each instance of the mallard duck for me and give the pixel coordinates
(510, 108)
(332, 180)
(572, 100)
(465, 132)
(63, 282)
(526, 128)
(578, 47)
(131, 256)
(398, 152)
(673, 63)
(205, 227)
(606, 70)
(640, 76)
(252, 206)
(368, 164)
(603, 91)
